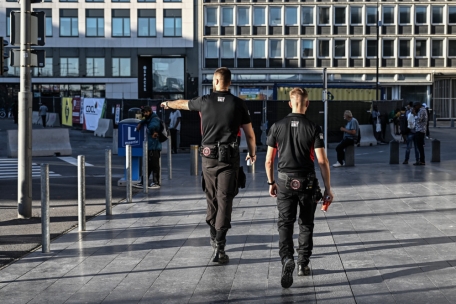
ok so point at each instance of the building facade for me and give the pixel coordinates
(271, 44)
(114, 48)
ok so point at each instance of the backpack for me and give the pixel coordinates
(164, 132)
(403, 124)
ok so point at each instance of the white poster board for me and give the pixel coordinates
(93, 110)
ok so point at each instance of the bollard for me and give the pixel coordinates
(350, 156)
(435, 151)
(81, 193)
(251, 168)
(394, 152)
(145, 177)
(128, 168)
(108, 182)
(194, 160)
(170, 162)
(452, 123)
(45, 219)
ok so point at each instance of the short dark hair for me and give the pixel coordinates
(417, 103)
(410, 103)
(224, 74)
(146, 108)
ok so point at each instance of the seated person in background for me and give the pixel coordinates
(350, 138)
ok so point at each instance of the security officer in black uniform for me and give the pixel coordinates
(221, 115)
(298, 140)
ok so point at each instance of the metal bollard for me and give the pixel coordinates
(170, 159)
(435, 151)
(81, 193)
(45, 218)
(394, 152)
(145, 177)
(128, 167)
(194, 160)
(452, 123)
(108, 181)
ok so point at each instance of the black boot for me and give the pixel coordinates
(303, 270)
(220, 256)
(288, 267)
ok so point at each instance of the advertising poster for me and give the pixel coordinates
(93, 110)
(251, 94)
(67, 111)
(117, 115)
(76, 110)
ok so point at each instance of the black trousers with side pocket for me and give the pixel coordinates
(221, 186)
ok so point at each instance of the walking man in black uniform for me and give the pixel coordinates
(221, 115)
(298, 140)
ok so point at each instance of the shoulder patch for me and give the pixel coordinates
(294, 124)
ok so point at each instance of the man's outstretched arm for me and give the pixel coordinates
(180, 104)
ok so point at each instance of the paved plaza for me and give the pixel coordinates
(389, 237)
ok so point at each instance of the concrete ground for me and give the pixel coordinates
(389, 237)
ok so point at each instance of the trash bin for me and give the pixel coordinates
(127, 135)
(135, 113)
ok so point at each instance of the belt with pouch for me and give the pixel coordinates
(220, 151)
(209, 151)
(298, 181)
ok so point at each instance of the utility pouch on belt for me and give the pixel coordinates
(209, 151)
(224, 153)
(298, 183)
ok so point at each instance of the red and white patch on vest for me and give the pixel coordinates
(206, 151)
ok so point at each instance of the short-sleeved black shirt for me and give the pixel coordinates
(222, 114)
(296, 139)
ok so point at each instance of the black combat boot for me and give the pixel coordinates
(303, 270)
(288, 266)
(220, 256)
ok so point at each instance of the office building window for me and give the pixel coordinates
(243, 48)
(420, 48)
(8, 22)
(356, 15)
(173, 23)
(291, 15)
(339, 16)
(404, 15)
(371, 48)
(227, 16)
(94, 23)
(259, 16)
(146, 23)
(120, 23)
(211, 16)
(121, 67)
(95, 67)
(147, 1)
(69, 67)
(451, 14)
(94, 0)
(307, 48)
(452, 48)
(259, 48)
(371, 15)
(46, 71)
(388, 48)
(420, 14)
(68, 0)
(404, 48)
(437, 14)
(275, 16)
(172, 0)
(437, 48)
(275, 48)
(243, 16)
(120, 0)
(323, 15)
(355, 48)
(388, 15)
(323, 48)
(339, 48)
(211, 49)
(227, 49)
(307, 15)
(69, 23)
(291, 48)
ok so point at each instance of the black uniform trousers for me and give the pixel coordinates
(153, 165)
(340, 149)
(220, 182)
(288, 201)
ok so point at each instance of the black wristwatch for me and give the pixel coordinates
(271, 183)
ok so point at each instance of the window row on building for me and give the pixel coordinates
(346, 52)
(139, 1)
(120, 23)
(70, 67)
(328, 14)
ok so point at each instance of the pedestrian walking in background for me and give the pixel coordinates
(428, 134)
(221, 115)
(174, 127)
(411, 138)
(298, 139)
(43, 113)
(154, 147)
(376, 119)
(420, 129)
(350, 138)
